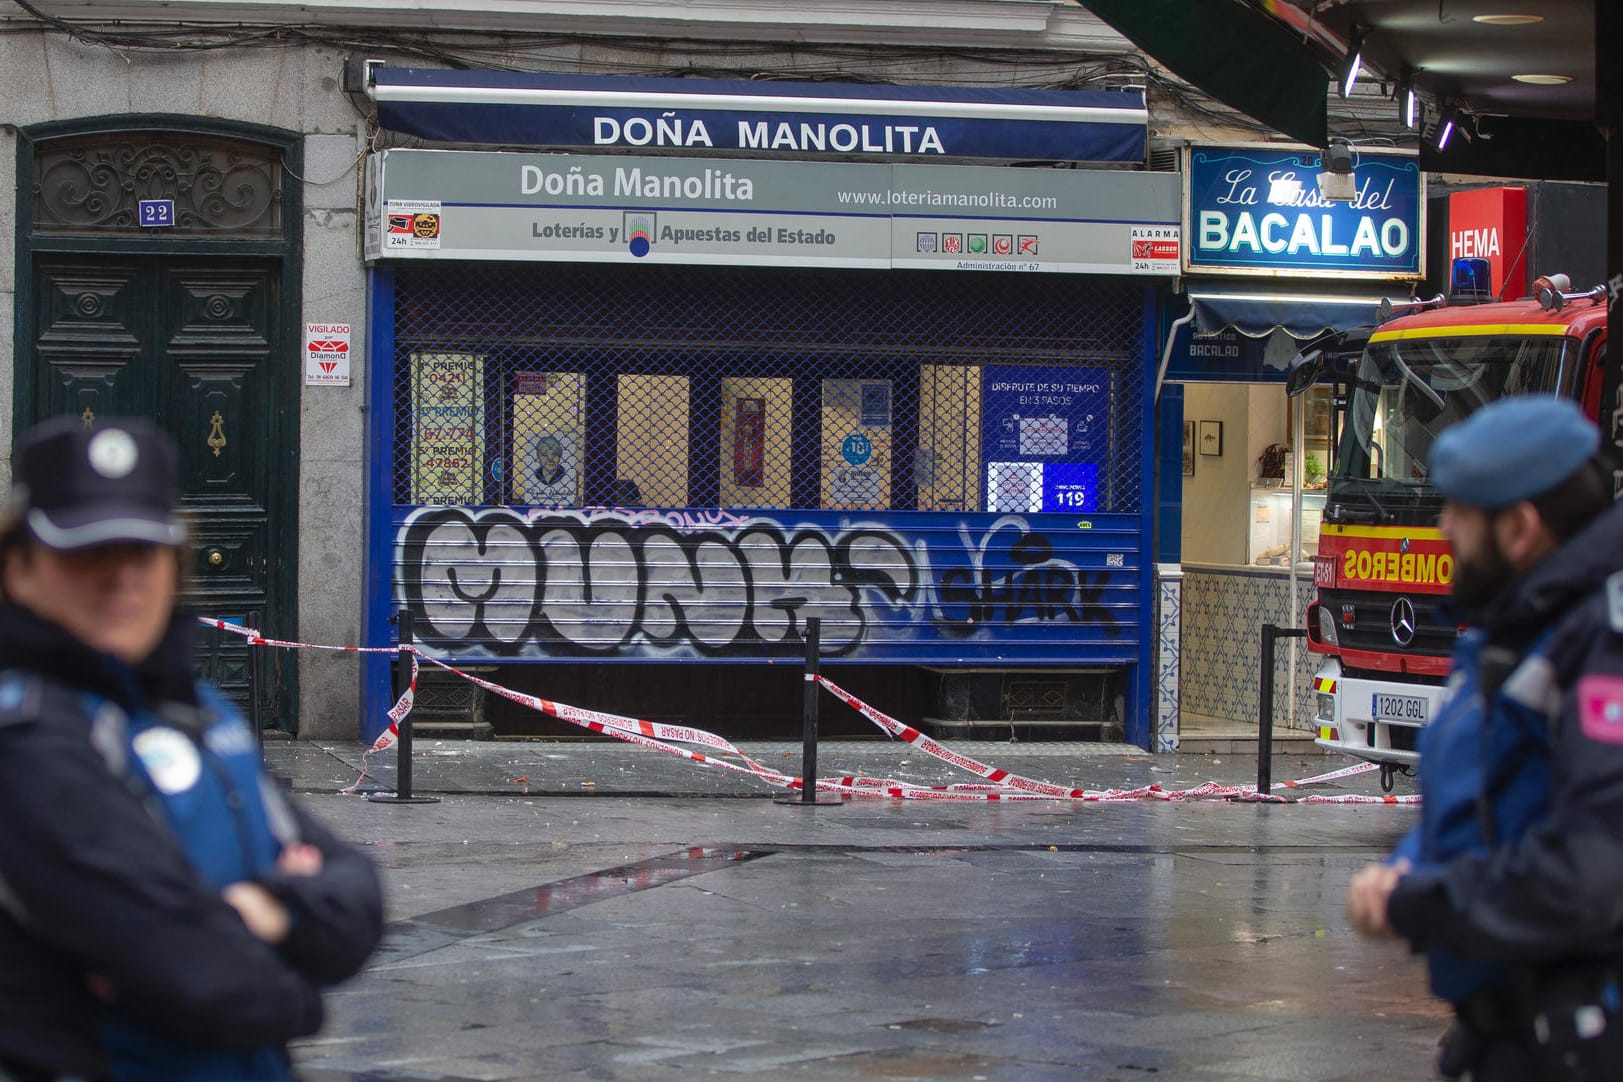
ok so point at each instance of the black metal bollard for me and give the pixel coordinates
(402, 754)
(810, 695)
(1265, 704)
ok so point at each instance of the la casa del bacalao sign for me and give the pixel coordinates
(1257, 210)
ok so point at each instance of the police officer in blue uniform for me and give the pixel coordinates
(1512, 883)
(165, 913)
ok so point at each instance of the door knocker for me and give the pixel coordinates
(216, 433)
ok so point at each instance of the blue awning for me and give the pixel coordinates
(1252, 336)
(1301, 315)
(767, 118)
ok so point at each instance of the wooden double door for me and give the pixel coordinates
(198, 345)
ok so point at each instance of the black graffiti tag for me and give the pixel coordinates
(1034, 586)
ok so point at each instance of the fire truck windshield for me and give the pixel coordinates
(1405, 391)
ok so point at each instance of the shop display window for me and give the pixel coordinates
(1240, 506)
(1272, 508)
(1003, 438)
(1318, 438)
(447, 436)
(779, 390)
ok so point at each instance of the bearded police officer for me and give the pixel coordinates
(1513, 881)
(165, 914)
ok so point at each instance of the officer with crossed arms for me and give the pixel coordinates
(166, 915)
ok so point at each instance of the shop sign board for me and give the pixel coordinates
(1257, 210)
(763, 118)
(476, 205)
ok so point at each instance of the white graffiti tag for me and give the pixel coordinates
(485, 580)
(580, 583)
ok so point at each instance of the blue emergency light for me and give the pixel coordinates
(1470, 280)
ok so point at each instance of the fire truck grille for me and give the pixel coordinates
(1377, 627)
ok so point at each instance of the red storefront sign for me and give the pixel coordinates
(1491, 224)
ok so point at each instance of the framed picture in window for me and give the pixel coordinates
(1189, 448)
(1210, 439)
(1316, 415)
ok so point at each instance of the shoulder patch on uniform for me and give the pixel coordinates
(1600, 707)
(1614, 601)
(20, 696)
(170, 758)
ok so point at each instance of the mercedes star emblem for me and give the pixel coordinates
(1403, 624)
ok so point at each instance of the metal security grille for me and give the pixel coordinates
(685, 387)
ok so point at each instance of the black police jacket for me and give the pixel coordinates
(98, 901)
(1554, 893)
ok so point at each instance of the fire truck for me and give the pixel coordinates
(1383, 570)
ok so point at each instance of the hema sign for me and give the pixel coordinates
(1257, 210)
(1491, 224)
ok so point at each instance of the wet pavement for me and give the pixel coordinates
(592, 910)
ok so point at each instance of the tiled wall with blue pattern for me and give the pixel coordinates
(1221, 644)
(1168, 644)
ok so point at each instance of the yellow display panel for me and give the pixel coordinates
(548, 450)
(447, 428)
(652, 441)
(947, 464)
(856, 444)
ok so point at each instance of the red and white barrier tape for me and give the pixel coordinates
(997, 784)
(400, 709)
(1334, 775)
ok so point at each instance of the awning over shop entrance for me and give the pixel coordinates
(1250, 336)
(1301, 315)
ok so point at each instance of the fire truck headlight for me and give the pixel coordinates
(1327, 707)
(1327, 626)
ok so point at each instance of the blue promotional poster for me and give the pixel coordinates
(1043, 437)
(1259, 210)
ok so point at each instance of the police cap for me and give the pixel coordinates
(74, 487)
(1511, 450)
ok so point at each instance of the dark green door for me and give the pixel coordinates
(195, 344)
